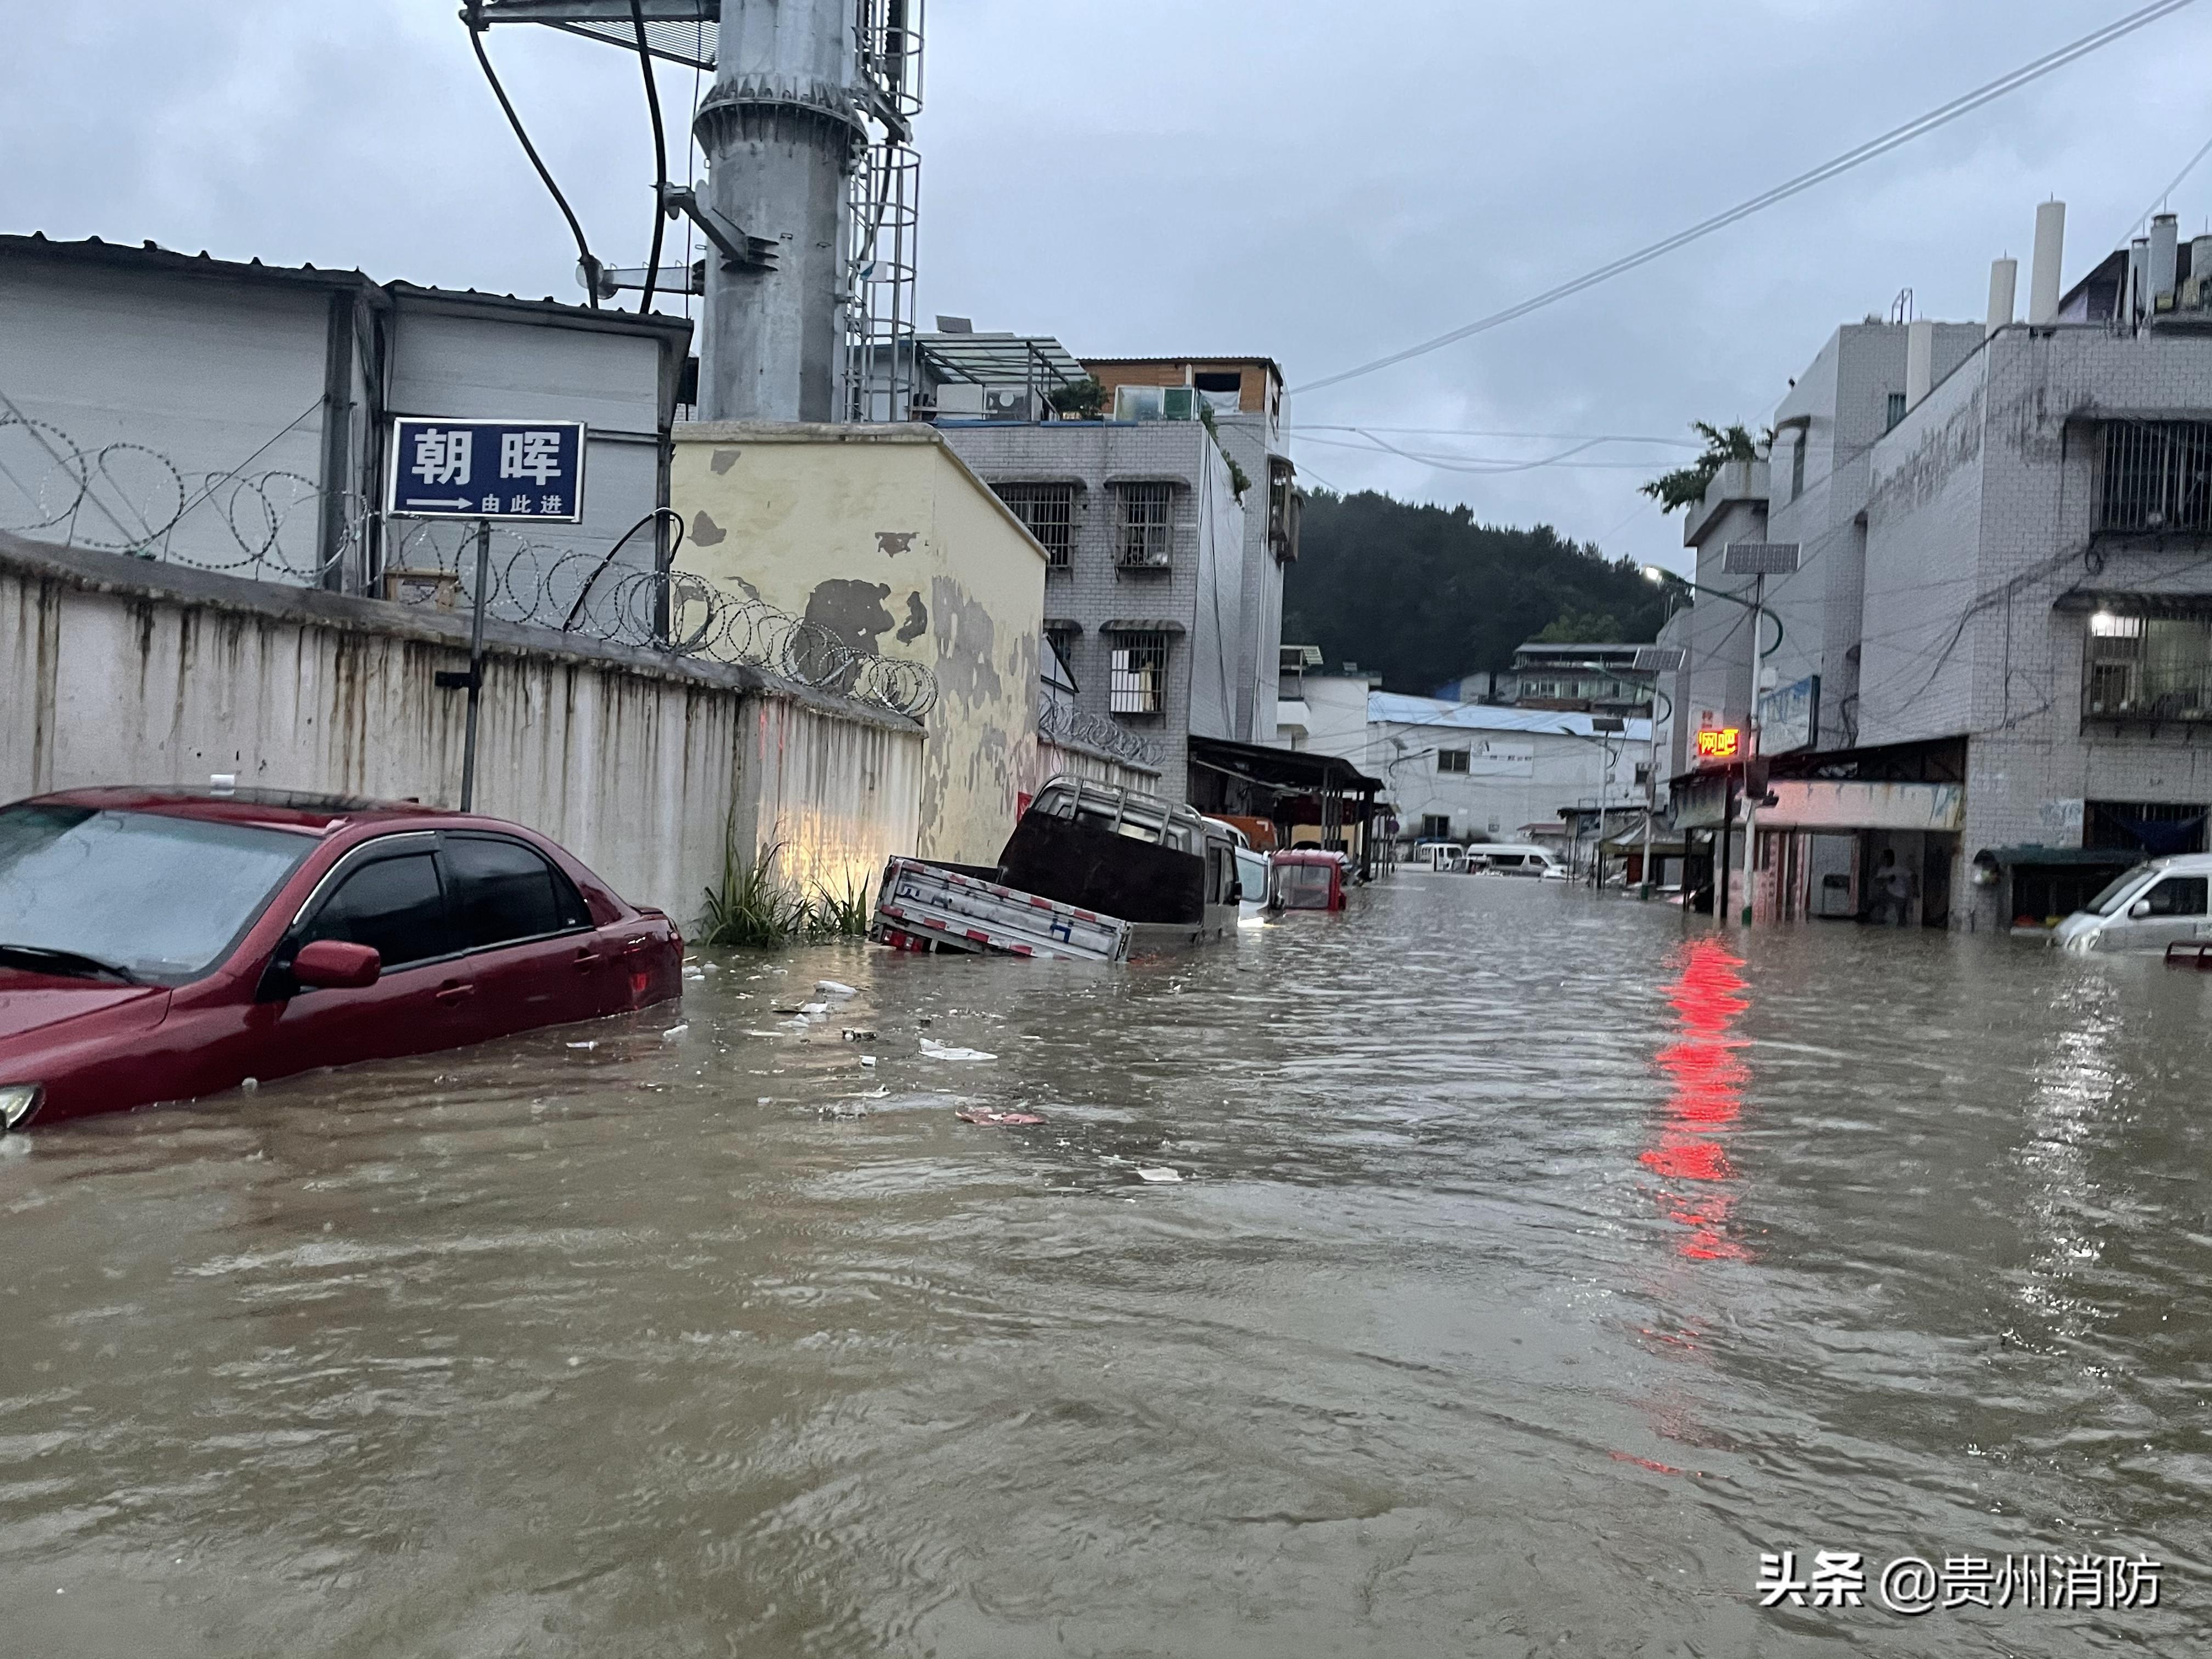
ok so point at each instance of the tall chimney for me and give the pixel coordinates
(2135, 298)
(2050, 253)
(782, 134)
(1919, 359)
(2164, 266)
(2004, 288)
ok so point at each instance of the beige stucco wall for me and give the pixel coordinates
(882, 535)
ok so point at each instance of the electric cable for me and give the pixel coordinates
(2179, 179)
(1896, 137)
(660, 156)
(474, 18)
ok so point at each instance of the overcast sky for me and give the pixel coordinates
(1313, 181)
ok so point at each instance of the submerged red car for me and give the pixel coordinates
(158, 945)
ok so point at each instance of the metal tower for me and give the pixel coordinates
(811, 198)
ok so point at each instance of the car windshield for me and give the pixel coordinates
(2122, 888)
(159, 898)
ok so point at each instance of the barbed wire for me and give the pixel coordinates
(126, 497)
(1061, 723)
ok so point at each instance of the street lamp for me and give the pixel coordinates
(1757, 560)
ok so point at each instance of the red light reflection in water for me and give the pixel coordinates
(1706, 1098)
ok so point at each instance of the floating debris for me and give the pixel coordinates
(830, 987)
(858, 1034)
(675, 1032)
(984, 1115)
(940, 1051)
(1161, 1175)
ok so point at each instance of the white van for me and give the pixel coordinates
(1254, 873)
(1435, 856)
(1517, 860)
(2149, 907)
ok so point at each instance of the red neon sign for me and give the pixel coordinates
(1725, 744)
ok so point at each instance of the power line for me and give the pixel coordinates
(1477, 432)
(2179, 178)
(1834, 167)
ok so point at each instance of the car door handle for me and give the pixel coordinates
(454, 994)
(586, 959)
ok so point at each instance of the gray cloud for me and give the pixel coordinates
(1318, 182)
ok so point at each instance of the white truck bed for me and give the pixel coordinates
(919, 905)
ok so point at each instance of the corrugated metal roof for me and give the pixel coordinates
(1394, 708)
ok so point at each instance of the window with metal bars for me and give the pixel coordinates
(2148, 668)
(1048, 510)
(1139, 684)
(1147, 524)
(2158, 476)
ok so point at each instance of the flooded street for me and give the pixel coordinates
(1538, 1261)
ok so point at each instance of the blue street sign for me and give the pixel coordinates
(488, 470)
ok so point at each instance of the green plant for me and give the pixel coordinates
(843, 915)
(1080, 400)
(1685, 485)
(748, 908)
(1239, 479)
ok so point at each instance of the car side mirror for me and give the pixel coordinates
(337, 964)
(2139, 909)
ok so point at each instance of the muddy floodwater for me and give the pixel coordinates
(1537, 1262)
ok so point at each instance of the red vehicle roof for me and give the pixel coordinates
(267, 809)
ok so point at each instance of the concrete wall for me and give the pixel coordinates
(1199, 593)
(1734, 510)
(1055, 759)
(883, 536)
(1982, 520)
(114, 671)
(1923, 565)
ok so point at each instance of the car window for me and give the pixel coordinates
(501, 891)
(394, 905)
(164, 898)
(2178, 895)
(2117, 897)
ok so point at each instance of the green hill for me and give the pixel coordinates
(1422, 595)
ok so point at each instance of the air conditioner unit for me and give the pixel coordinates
(1008, 402)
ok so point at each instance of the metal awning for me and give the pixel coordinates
(1281, 768)
(2109, 858)
(1143, 625)
(1000, 359)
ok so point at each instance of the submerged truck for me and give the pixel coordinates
(1092, 872)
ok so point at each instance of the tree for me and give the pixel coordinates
(1425, 595)
(1579, 628)
(1685, 485)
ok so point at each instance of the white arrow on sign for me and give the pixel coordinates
(417, 501)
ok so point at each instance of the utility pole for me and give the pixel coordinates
(475, 665)
(1758, 561)
(1654, 660)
